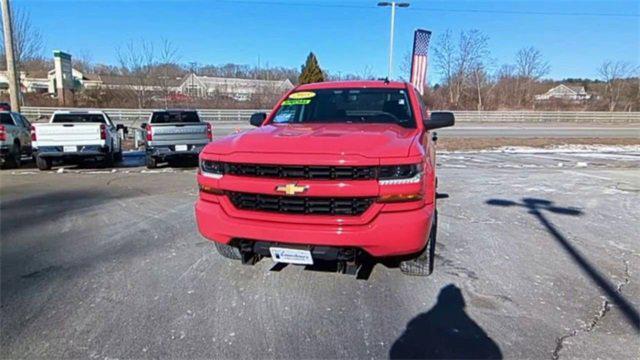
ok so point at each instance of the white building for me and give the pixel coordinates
(191, 85)
(565, 92)
(237, 89)
(44, 83)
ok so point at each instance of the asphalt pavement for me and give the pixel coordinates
(537, 257)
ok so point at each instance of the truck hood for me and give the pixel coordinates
(368, 140)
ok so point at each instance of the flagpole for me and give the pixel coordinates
(393, 5)
(393, 18)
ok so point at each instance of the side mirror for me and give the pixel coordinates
(439, 119)
(257, 119)
(143, 126)
(124, 129)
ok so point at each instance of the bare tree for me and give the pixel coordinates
(463, 65)
(505, 87)
(473, 62)
(137, 61)
(27, 40)
(614, 74)
(168, 58)
(445, 55)
(530, 64)
(530, 67)
(83, 61)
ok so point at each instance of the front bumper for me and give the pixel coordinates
(387, 234)
(169, 151)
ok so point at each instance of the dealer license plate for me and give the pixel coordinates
(181, 147)
(291, 256)
(69, 148)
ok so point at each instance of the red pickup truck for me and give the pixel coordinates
(339, 171)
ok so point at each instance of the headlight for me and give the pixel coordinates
(400, 174)
(212, 169)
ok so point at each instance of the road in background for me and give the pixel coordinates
(506, 130)
(101, 264)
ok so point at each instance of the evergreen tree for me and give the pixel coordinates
(311, 71)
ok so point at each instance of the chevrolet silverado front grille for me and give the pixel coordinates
(303, 172)
(301, 205)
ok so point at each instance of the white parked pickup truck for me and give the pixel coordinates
(75, 136)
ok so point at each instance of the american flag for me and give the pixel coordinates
(419, 61)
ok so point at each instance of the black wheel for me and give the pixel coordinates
(108, 160)
(16, 154)
(43, 163)
(230, 252)
(118, 156)
(152, 162)
(422, 265)
(13, 159)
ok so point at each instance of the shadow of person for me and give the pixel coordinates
(445, 332)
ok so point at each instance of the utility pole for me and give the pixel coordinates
(393, 5)
(14, 79)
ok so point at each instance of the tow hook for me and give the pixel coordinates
(249, 257)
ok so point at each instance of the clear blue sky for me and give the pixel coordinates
(347, 36)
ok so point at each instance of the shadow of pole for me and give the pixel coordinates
(535, 207)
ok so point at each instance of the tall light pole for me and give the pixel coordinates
(14, 80)
(393, 5)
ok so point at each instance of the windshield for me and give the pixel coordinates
(388, 106)
(78, 118)
(165, 117)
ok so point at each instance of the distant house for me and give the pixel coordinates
(565, 92)
(237, 89)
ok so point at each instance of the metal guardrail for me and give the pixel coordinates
(133, 117)
(548, 116)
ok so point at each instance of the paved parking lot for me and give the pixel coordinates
(538, 257)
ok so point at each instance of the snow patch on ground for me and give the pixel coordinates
(569, 148)
(573, 148)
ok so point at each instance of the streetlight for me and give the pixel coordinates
(393, 5)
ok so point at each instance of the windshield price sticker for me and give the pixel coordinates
(296, 102)
(302, 95)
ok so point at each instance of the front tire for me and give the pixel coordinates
(108, 160)
(228, 251)
(152, 162)
(17, 155)
(13, 158)
(118, 156)
(43, 164)
(422, 265)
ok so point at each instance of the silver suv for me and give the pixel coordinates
(15, 138)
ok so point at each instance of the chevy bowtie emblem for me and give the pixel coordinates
(291, 189)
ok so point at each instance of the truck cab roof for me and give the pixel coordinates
(79, 111)
(382, 84)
